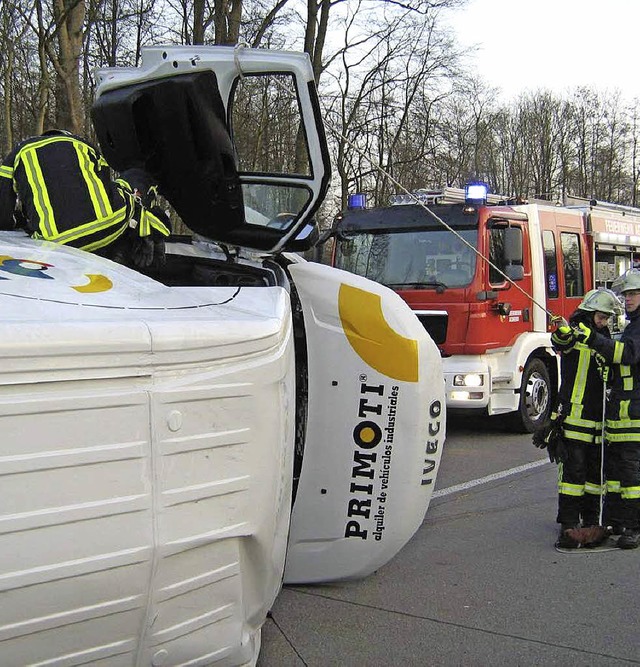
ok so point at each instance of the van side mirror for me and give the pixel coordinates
(325, 235)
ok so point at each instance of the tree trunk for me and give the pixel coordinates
(69, 17)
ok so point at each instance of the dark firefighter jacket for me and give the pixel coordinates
(623, 409)
(581, 386)
(59, 187)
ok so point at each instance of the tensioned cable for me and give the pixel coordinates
(436, 217)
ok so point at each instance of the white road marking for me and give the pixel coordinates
(489, 478)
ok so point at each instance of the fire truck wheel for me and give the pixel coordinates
(535, 398)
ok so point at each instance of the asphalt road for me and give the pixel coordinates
(479, 584)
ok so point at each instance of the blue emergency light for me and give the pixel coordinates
(357, 201)
(476, 193)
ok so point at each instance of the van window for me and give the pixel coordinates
(550, 264)
(572, 263)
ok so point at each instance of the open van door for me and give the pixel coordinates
(188, 117)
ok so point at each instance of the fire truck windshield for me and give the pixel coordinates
(409, 258)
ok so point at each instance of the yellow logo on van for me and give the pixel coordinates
(97, 283)
(373, 339)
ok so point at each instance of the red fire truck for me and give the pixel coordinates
(493, 333)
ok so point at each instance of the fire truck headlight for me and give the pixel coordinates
(468, 380)
(466, 395)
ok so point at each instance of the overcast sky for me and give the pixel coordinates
(557, 44)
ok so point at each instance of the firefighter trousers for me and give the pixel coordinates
(622, 504)
(580, 486)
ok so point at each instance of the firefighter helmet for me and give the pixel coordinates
(55, 132)
(629, 280)
(601, 300)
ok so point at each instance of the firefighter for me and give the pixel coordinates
(574, 439)
(622, 426)
(59, 188)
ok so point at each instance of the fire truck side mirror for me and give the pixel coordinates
(513, 245)
(514, 271)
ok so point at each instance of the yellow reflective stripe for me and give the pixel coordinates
(613, 486)
(157, 224)
(125, 185)
(576, 410)
(577, 421)
(145, 226)
(92, 227)
(41, 200)
(571, 489)
(49, 140)
(627, 378)
(97, 192)
(618, 349)
(594, 489)
(577, 435)
(623, 424)
(90, 247)
(622, 437)
(630, 492)
(580, 382)
(624, 411)
(150, 221)
(6, 171)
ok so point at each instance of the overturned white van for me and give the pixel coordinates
(176, 444)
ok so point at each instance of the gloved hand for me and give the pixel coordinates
(542, 436)
(141, 252)
(603, 367)
(557, 450)
(584, 334)
(558, 321)
(550, 438)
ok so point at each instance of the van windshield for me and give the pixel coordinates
(409, 259)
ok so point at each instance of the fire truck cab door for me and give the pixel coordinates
(508, 240)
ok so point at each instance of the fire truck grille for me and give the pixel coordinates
(436, 325)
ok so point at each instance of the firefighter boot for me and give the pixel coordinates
(630, 539)
(564, 541)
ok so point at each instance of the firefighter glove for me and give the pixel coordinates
(559, 321)
(542, 436)
(603, 368)
(584, 334)
(557, 450)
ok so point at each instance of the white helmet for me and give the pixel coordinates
(601, 300)
(629, 280)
